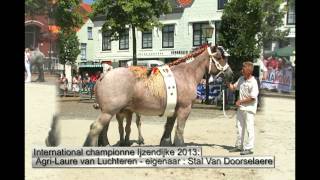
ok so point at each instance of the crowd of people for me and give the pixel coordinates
(79, 83)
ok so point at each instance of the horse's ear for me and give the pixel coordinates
(213, 48)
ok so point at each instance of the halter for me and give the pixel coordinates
(222, 69)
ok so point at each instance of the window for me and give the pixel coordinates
(267, 46)
(201, 33)
(291, 15)
(168, 36)
(83, 51)
(124, 40)
(90, 33)
(146, 40)
(221, 4)
(106, 41)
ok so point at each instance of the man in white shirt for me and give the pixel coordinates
(247, 107)
(27, 64)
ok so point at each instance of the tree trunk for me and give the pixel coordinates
(134, 44)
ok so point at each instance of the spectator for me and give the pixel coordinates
(64, 84)
(75, 85)
(27, 64)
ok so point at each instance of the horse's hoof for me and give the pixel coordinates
(178, 142)
(166, 142)
(140, 142)
(127, 143)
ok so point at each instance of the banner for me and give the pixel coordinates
(146, 157)
(278, 79)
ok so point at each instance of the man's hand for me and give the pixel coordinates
(238, 103)
(228, 85)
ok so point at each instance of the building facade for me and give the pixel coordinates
(186, 28)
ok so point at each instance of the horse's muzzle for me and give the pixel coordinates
(228, 75)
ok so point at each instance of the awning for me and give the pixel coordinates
(286, 51)
(89, 65)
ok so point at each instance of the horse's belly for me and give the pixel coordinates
(148, 107)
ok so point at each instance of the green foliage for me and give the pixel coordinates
(68, 47)
(68, 18)
(142, 14)
(35, 7)
(246, 25)
(67, 14)
(271, 21)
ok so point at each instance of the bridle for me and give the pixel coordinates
(221, 68)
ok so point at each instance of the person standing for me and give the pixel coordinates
(27, 64)
(247, 107)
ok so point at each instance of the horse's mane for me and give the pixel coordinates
(195, 53)
(142, 72)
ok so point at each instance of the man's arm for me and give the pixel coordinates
(245, 101)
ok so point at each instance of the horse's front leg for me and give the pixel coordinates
(128, 128)
(96, 128)
(138, 122)
(182, 116)
(166, 137)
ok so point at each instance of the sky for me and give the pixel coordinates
(88, 1)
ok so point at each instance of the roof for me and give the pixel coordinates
(86, 7)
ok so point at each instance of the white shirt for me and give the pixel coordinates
(248, 88)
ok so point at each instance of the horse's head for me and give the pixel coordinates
(218, 65)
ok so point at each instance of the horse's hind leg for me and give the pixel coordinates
(120, 117)
(166, 137)
(96, 128)
(128, 128)
(103, 137)
(138, 122)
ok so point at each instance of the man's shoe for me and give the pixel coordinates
(246, 152)
(235, 149)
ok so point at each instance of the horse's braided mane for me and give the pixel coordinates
(195, 53)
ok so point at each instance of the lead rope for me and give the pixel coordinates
(223, 108)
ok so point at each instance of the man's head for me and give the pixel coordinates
(247, 69)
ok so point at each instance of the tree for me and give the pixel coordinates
(272, 19)
(68, 47)
(69, 20)
(140, 14)
(246, 25)
(35, 7)
(67, 15)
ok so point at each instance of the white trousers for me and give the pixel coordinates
(245, 124)
(27, 66)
